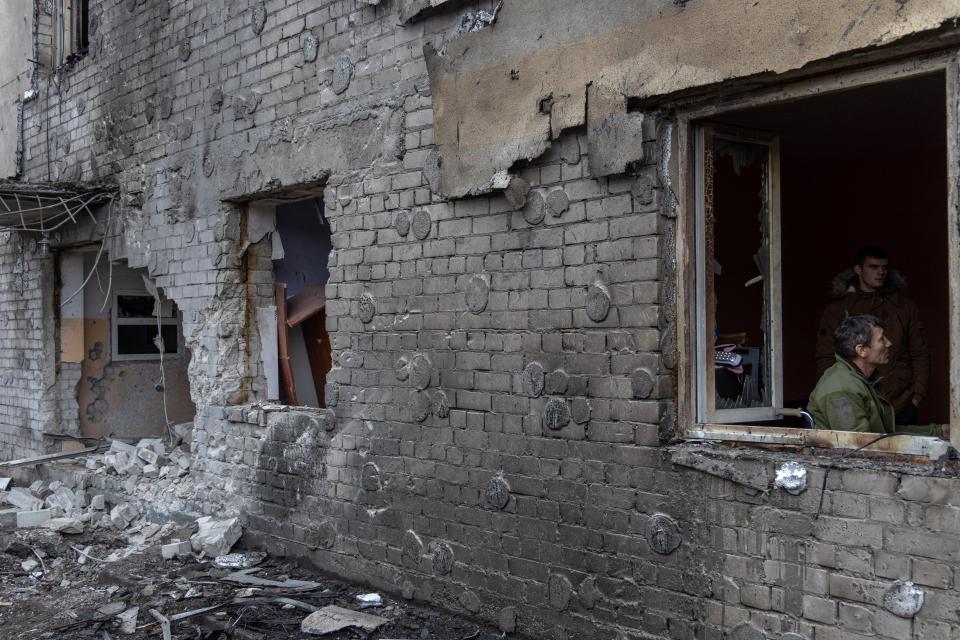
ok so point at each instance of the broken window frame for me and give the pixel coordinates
(770, 355)
(116, 321)
(683, 168)
(71, 30)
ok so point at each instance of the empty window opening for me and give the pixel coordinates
(142, 325)
(71, 29)
(301, 247)
(786, 195)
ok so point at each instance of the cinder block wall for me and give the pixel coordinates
(457, 326)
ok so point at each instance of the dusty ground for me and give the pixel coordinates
(62, 598)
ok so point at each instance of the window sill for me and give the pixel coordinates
(929, 448)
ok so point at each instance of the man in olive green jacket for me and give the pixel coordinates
(848, 396)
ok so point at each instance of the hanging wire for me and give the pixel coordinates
(96, 262)
(833, 463)
(161, 347)
(52, 210)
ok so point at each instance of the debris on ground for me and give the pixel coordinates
(75, 563)
(333, 618)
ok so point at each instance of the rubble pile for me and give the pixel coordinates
(81, 562)
(69, 510)
(60, 585)
(149, 458)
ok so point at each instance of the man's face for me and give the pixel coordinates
(878, 351)
(872, 273)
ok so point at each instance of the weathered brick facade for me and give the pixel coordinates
(435, 472)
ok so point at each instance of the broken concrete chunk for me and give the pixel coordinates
(240, 560)
(29, 519)
(98, 502)
(24, 499)
(128, 621)
(4, 483)
(116, 446)
(176, 549)
(370, 600)
(331, 619)
(154, 444)
(216, 537)
(29, 565)
(65, 499)
(38, 488)
(8, 518)
(148, 455)
(122, 515)
(112, 608)
(65, 525)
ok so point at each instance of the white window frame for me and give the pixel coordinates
(706, 411)
(698, 424)
(116, 321)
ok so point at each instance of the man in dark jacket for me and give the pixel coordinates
(871, 287)
(847, 398)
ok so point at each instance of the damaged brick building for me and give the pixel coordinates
(437, 285)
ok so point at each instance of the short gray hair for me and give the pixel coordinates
(854, 331)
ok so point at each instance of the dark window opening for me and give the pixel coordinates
(72, 30)
(861, 166)
(300, 276)
(139, 339)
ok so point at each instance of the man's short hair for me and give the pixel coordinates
(853, 331)
(869, 251)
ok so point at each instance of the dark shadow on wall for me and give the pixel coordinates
(865, 166)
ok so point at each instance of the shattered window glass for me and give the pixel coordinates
(739, 335)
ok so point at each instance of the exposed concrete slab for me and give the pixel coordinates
(488, 87)
(746, 472)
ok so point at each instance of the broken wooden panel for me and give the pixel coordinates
(306, 304)
(288, 385)
(488, 86)
(319, 352)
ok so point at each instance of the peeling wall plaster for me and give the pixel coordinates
(489, 87)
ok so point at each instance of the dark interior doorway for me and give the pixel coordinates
(862, 166)
(300, 274)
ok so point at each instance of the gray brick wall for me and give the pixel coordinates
(438, 476)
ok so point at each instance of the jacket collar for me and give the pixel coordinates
(872, 380)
